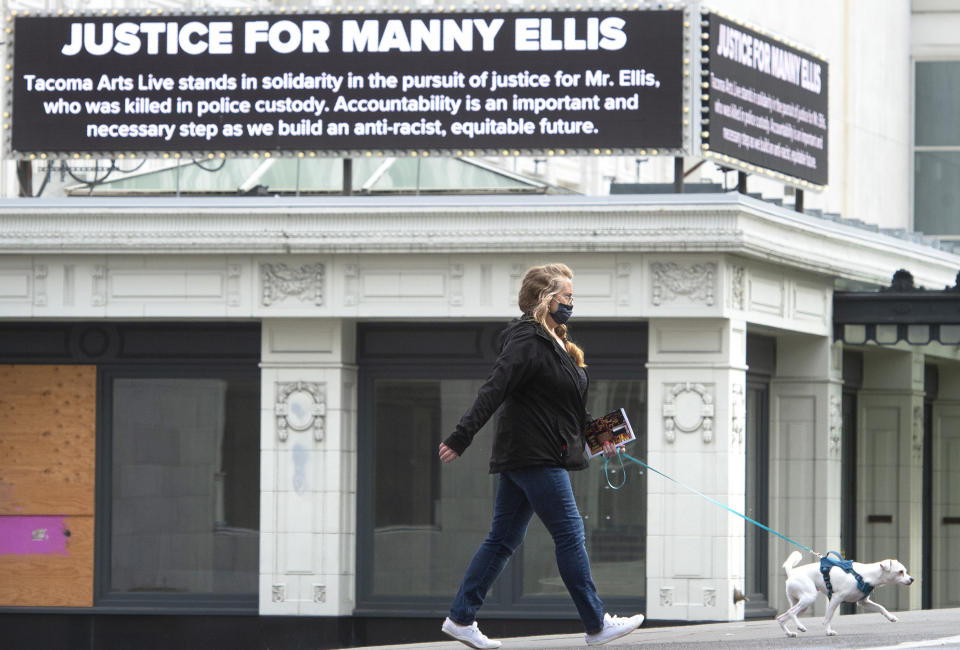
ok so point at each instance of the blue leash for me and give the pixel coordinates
(621, 454)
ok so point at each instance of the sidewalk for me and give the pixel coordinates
(936, 628)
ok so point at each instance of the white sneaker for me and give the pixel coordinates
(469, 634)
(614, 627)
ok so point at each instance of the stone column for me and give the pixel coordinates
(805, 453)
(695, 423)
(308, 467)
(890, 466)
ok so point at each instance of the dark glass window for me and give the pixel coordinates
(936, 192)
(420, 521)
(185, 487)
(428, 516)
(936, 188)
(938, 103)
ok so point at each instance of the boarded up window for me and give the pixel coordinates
(47, 463)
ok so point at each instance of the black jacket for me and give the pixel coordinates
(543, 414)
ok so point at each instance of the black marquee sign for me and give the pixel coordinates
(764, 107)
(591, 81)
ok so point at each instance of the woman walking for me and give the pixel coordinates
(540, 379)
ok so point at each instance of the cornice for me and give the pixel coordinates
(718, 223)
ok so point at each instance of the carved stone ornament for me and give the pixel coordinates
(836, 425)
(456, 285)
(351, 284)
(40, 285)
(666, 596)
(737, 419)
(319, 593)
(279, 593)
(98, 296)
(280, 281)
(301, 406)
(689, 408)
(234, 275)
(695, 281)
(623, 284)
(738, 284)
(709, 597)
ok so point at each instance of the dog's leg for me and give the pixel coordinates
(798, 606)
(871, 606)
(796, 610)
(800, 626)
(831, 609)
(782, 620)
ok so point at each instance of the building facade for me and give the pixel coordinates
(219, 415)
(328, 345)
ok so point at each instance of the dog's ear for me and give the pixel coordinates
(887, 565)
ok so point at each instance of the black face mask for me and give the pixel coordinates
(563, 313)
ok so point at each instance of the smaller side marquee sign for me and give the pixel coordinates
(764, 107)
(589, 81)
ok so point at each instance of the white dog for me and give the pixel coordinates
(804, 583)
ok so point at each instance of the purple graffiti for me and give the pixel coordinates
(21, 535)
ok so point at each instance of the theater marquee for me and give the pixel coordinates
(610, 81)
(765, 107)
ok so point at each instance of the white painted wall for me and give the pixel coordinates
(695, 549)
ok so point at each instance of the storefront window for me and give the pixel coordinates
(428, 517)
(184, 488)
(420, 521)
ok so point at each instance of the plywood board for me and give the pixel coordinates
(47, 473)
(46, 561)
(47, 439)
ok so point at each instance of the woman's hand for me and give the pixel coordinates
(609, 449)
(447, 455)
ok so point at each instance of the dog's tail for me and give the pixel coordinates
(792, 561)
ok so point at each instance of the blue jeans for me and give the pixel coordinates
(547, 492)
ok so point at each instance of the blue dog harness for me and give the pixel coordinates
(826, 563)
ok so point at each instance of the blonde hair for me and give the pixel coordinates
(540, 285)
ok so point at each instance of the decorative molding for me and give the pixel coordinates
(40, 285)
(728, 224)
(300, 406)
(688, 407)
(709, 597)
(738, 407)
(738, 293)
(836, 425)
(280, 281)
(351, 285)
(456, 285)
(99, 286)
(234, 273)
(516, 277)
(666, 596)
(69, 284)
(695, 281)
(917, 443)
(623, 284)
(319, 593)
(279, 593)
